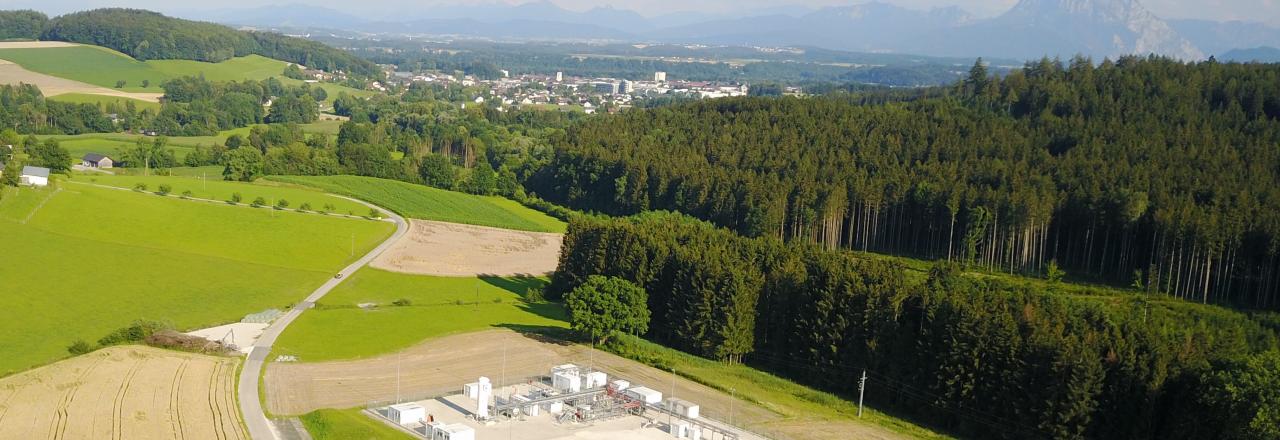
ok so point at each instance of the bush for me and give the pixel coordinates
(535, 295)
(186, 194)
(402, 302)
(304, 207)
(135, 332)
(1053, 273)
(282, 204)
(79, 347)
(374, 213)
(164, 189)
(258, 202)
(140, 187)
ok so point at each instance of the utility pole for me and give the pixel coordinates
(733, 394)
(671, 411)
(862, 388)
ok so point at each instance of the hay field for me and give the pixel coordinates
(451, 249)
(124, 392)
(50, 85)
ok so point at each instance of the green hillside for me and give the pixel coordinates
(104, 67)
(84, 98)
(427, 203)
(83, 261)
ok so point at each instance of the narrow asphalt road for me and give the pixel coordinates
(250, 403)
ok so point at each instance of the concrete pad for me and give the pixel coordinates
(241, 334)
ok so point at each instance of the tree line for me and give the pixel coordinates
(977, 356)
(147, 35)
(1142, 172)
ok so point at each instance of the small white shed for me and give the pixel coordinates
(406, 413)
(595, 379)
(645, 395)
(34, 176)
(455, 431)
(682, 407)
(567, 382)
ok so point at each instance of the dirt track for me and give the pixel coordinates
(442, 365)
(126, 392)
(11, 73)
(450, 249)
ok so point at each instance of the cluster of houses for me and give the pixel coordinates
(562, 90)
(39, 176)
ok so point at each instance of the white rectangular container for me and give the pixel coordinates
(644, 395)
(595, 379)
(406, 413)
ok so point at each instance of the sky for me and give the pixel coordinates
(1267, 11)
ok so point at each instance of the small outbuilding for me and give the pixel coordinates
(407, 413)
(34, 176)
(95, 160)
(645, 395)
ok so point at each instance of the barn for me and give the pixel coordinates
(95, 160)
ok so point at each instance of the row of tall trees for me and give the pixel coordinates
(976, 356)
(1144, 172)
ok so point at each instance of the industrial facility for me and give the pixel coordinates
(569, 402)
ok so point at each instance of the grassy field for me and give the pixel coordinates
(348, 424)
(79, 145)
(104, 67)
(215, 188)
(339, 329)
(102, 100)
(82, 261)
(798, 404)
(426, 203)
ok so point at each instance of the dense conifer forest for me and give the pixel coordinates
(1142, 172)
(976, 356)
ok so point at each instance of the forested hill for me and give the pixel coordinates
(1144, 172)
(147, 35)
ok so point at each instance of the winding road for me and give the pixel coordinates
(250, 402)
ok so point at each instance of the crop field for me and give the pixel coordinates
(124, 392)
(103, 100)
(452, 249)
(427, 203)
(340, 329)
(118, 256)
(211, 186)
(79, 145)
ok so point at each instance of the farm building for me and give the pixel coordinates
(34, 176)
(95, 160)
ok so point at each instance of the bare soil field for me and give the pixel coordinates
(442, 365)
(126, 392)
(11, 73)
(451, 249)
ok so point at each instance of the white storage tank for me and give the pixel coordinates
(596, 379)
(406, 413)
(644, 395)
(567, 382)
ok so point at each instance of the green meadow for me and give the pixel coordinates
(110, 144)
(104, 67)
(339, 329)
(213, 187)
(103, 100)
(344, 424)
(82, 261)
(427, 203)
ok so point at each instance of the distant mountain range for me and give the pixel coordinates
(1029, 30)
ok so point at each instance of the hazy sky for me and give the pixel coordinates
(1253, 10)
